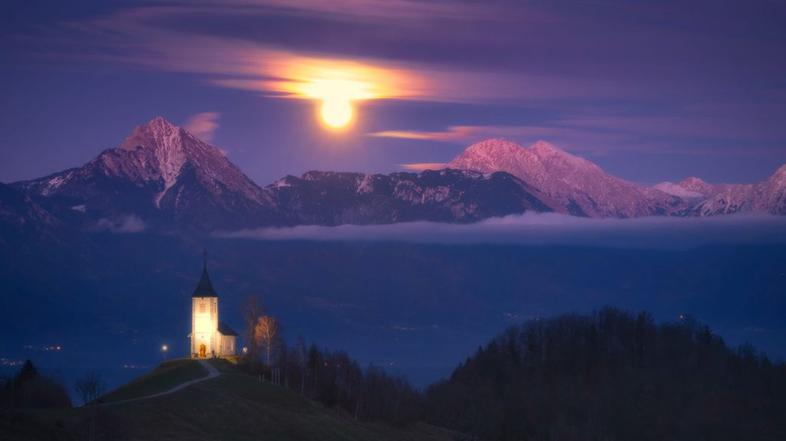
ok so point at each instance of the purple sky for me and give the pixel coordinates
(650, 90)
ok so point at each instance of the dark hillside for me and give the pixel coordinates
(233, 406)
(612, 376)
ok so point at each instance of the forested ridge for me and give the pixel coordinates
(609, 376)
(612, 376)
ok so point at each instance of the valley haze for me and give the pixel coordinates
(550, 228)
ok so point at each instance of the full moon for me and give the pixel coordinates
(336, 112)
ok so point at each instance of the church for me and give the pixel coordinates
(209, 336)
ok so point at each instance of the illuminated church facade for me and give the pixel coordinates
(209, 336)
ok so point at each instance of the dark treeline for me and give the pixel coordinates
(329, 377)
(29, 389)
(337, 381)
(612, 376)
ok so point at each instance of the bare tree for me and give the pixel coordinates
(251, 313)
(90, 387)
(266, 335)
(302, 354)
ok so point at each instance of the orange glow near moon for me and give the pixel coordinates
(338, 85)
(337, 90)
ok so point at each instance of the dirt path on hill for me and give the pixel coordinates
(212, 372)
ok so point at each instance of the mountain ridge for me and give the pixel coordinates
(580, 187)
(170, 180)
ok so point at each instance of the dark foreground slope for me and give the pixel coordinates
(233, 406)
(613, 376)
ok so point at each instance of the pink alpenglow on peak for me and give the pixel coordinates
(679, 191)
(698, 185)
(164, 150)
(167, 172)
(576, 185)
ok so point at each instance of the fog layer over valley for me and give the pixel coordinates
(551, 228)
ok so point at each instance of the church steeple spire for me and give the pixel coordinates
(204, 288)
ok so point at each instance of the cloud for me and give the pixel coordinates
(372, 10)
(551, 229)
(203, 125)
(574, 139)
(548, 63)
(124, 224)
(602, 134)
(421, 166)
(160, 38)
(470, 134)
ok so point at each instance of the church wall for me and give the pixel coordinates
(228, 343)
(204, 325)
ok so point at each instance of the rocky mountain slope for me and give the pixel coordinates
(328, 198)
(23, 222)
(715, 199)
(163, 178)
(162, 175)
(578, 186)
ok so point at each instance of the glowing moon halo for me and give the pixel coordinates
(337, 95)
(338, 86)
(336, 113)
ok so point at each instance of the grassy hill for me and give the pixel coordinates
(233, 406)
(166, 376)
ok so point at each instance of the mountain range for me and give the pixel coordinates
(163, 178)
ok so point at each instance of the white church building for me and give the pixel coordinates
(209, 336)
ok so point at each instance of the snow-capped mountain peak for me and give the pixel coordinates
(166, 169)
(165, 142)
(698, 185)
(153, 133)
(166, 150)
(577, 185)
(545, 148)
(772, 193)
(165, 177)
(491, 150)
(678, 190)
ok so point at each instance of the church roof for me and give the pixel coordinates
(204, 288)
(224, 329)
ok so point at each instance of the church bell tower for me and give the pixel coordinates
(205, 339)
(210, 337)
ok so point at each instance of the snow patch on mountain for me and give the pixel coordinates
(677, 190)
(698, 185)
(123, 224)
(366, 184)
(167, 144)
